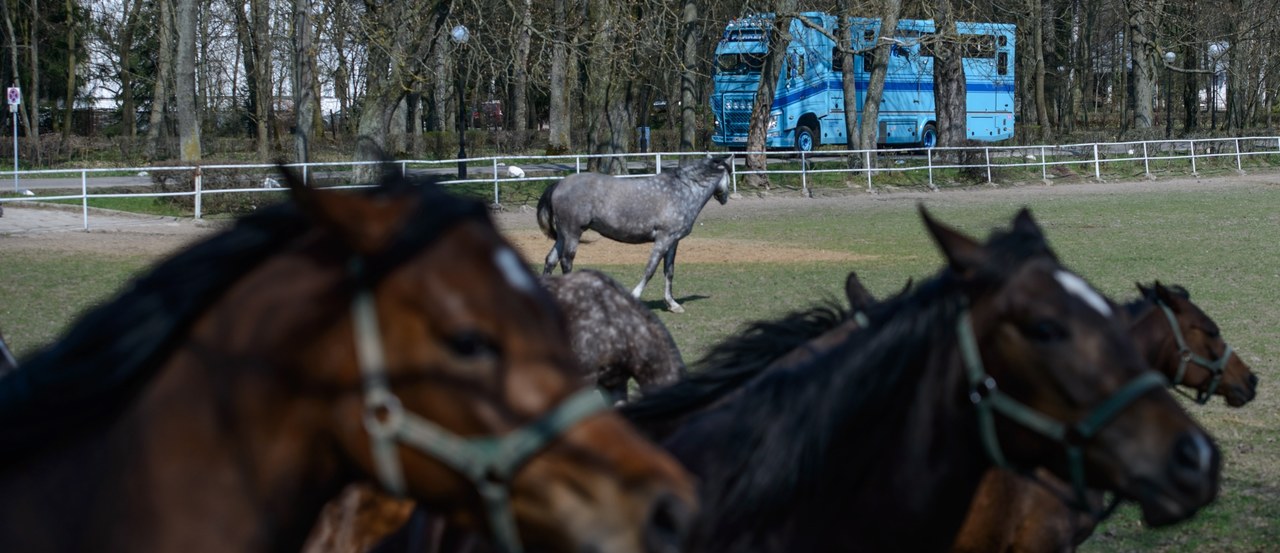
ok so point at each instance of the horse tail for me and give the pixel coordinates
(546, 218)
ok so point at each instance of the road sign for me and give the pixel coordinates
(15, 96)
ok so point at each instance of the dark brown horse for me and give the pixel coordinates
(1013, 514)
(878, 443)
(221, 399)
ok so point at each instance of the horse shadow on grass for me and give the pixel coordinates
(661, 305)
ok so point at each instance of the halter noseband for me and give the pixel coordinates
(988, 399)
(1216, 367)
(489, 462)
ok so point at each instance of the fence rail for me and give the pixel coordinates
(510, 171)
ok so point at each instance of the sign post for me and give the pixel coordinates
(15, 98)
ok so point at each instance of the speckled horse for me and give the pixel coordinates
(659, 209)
(614, 337)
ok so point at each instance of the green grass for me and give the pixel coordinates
(1219, 242)
(147, 206)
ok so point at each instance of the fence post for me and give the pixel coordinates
(403, 170)
(1097, 164)
(199, 181)
(1146, 161)
(304, 173)
(987, 151)
(577, 164)
(928, 154)
(733, 170)
(866, 166)
(495, 181)
(804, 175)
(1044, 167)
(1192, 143)
(657, 163)
(84, 198)
(1238, 167)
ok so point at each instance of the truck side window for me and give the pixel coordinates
(837, 60)
(1002, 63)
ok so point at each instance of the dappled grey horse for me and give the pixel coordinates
(659, 209)
(614, 337)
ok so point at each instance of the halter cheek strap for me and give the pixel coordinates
(989, 400)
(489, 462)
(1216, 367)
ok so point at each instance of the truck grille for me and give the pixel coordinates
(737, 114)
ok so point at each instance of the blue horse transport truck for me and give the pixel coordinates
(809, 104)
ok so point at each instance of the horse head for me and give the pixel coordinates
(712, 166)
(456, 385)
(1191, 342)
(1057, 382)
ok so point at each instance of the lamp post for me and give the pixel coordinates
(1168, 93)
(460, 35)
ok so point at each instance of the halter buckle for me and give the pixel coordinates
(983, 390)
(383, 413)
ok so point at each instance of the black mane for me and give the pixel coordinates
(732, 362)
(101, 364)
(787, 439)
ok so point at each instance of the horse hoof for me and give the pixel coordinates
(675, 308)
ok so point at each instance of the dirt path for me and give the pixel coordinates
(59, 230)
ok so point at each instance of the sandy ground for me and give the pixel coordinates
(58, 229)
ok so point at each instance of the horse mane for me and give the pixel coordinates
(103, 362)
(785, 440)
(734, 361)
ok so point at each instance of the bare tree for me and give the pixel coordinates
(164, 75)
(1144, 20)
(949, 90)
(689, 31)
(519, 120)
(559, 120)
(779, 39)
(304, 77)
(879, 72)
(185, 83)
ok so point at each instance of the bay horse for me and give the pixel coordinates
(1013, 514)
(660, 209)
(879, 442)
(614, 337)
(392, 336)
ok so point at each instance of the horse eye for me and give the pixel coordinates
(1044, 330)
(472, 344)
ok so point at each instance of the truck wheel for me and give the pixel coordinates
(806, 140)
(929, 136)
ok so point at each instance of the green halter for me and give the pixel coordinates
(489, 462)
(1185, 356)
(989, 400)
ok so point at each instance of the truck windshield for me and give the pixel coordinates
(739, 64)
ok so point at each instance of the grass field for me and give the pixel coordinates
(1221, 242)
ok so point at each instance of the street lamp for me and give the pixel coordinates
(460, 35)
(1168, 93)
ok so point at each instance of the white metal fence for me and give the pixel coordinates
(928, 167)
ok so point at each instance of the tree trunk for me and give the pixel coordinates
(33, 90)
(69, 112)
(1144, 17)
(559, 121)
(690, 37)
(160, 94)
(948, 77)
(1036, 7)
(260, 31)
(879, 72)
(779, 39)
(609, 91)
(24, 121)
(519, 116)
(304, 103)
(124, 50)
(185, 83)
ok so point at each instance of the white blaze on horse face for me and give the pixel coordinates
(513, 269)
(1081, 289)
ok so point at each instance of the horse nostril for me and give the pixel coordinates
(1194, 461)
(668, 524)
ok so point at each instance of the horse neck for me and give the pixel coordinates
(872, 466)
(1151, 333)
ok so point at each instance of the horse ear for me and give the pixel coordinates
(1167, 297)
(859, 296)
(964, 254)
(1145, 291)
(1024, 222)
(366, 224)
(907, 287)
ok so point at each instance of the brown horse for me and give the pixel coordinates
(878, 443)
(1013, 514)
(614, 338)
(221, 399)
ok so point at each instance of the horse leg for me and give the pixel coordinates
(669, 271)
(553, 256)
(659, 247)
(568, 250)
